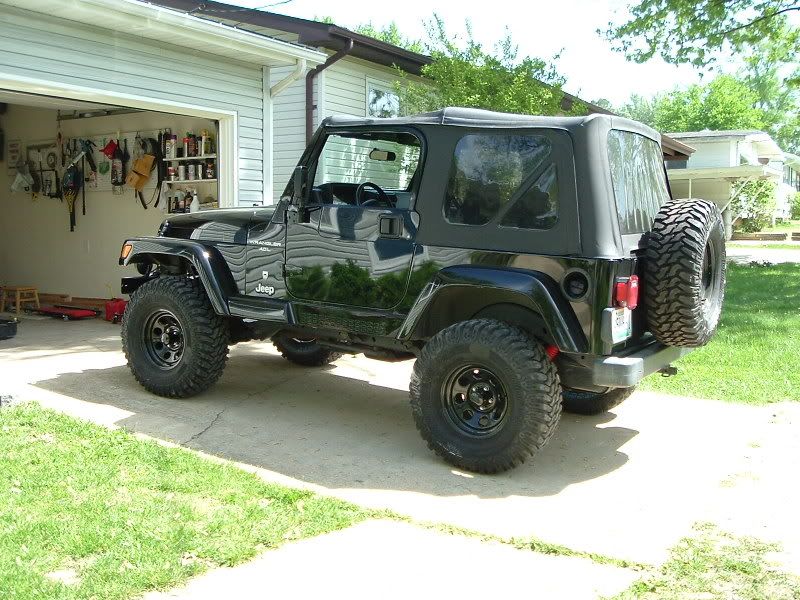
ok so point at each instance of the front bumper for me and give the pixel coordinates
(627, 370)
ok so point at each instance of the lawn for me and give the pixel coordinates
(790, 225)
(755, 355)
(714, 565)
(86, 512)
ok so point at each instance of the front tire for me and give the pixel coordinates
(485, 396)
(580, 402)
(176, 345)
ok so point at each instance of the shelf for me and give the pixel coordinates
(189, 180)
(183, 158)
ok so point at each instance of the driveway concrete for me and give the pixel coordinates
(388, 560)
(627, 484)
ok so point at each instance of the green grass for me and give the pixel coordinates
(790, 225)
(117, 515)
(771, 245)
(755, 356)
(715, 565)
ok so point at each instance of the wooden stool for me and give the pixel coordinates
(22, 294)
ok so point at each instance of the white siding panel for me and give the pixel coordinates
(289, 128)
(62, 51)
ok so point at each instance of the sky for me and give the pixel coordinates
(540, 28)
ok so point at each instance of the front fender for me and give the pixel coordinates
(208, 263)
(460, 292)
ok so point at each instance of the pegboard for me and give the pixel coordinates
(37, 153)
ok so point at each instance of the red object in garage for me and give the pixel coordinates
(114, 309)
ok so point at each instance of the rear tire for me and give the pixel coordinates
(685, 273)
(580, 402)
(176, 345)
(307, 353)
(484, 395)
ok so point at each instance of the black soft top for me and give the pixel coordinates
(476, 117)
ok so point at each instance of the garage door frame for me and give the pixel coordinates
(227, 144)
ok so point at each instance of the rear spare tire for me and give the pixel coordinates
(684, 273)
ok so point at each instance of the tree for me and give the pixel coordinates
(779, 101)
(639, 108)
(391, 35)
(723, 103)
(470, 76)
(694, 31)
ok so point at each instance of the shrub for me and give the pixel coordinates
(795, 204)
(753, 204)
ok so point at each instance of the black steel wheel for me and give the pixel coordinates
(475, 400)
(163, 339)
(484, 395)
(304, 351)
(176, 345)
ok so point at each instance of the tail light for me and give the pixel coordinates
(626, 292)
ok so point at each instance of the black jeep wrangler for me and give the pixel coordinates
(527, 263)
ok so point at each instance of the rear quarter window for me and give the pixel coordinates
(637, 174)
(508, 180)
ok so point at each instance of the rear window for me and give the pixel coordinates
(637, 173)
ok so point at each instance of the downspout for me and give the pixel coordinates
(299, 69)
(311, 75)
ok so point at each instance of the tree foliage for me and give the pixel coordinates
(695, 31)
(723, 103)
(753, 99)
(469, 75)
(391, 35)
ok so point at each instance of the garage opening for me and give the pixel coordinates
(77, 178)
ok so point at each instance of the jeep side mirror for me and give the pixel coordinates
(299, 179)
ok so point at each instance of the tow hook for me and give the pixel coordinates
(668, 371)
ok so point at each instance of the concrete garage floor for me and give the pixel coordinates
(628, 484)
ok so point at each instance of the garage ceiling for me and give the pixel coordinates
(9, 97)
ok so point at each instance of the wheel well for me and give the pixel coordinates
(517, 315)
(455, 305)
(167, 263)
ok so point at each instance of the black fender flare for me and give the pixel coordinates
(461, 292)
(208, 263)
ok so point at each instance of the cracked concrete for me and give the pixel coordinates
(627, 484)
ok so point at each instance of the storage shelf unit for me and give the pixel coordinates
(189, 180)
(190, 158)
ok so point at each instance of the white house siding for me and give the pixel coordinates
(68, 52)
(344, 87)
(288, 128)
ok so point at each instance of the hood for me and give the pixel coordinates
(227, 225)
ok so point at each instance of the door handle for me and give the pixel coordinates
(390, 226)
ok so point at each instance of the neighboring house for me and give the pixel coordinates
(722, 160)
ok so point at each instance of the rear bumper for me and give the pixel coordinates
(628, 369)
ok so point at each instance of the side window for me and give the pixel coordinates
(509, 179)
(367, 168)
(637, 175)
(382, 101)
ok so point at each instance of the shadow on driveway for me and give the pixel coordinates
(329, 429)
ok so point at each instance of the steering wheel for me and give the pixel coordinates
(382, 196)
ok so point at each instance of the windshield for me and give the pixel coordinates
(637, 174)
